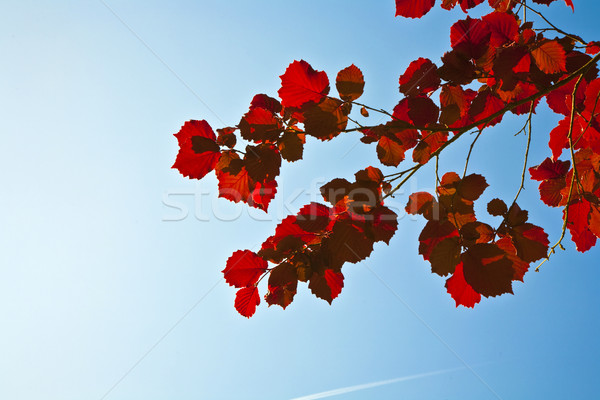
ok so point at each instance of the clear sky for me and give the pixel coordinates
(107, 292)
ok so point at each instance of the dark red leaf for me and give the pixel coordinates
(291, 145)
(327, 119)
(504, 28)
(260, 125)
(348, 243)
(457, 68)
(314, 217)
(385, 224)
(445, 256)
(283, 282)
(485, 105)
(419, 78)
(497, 207)
(487, 270)
(326, 286)
(350, 83)
(470, 37)
(262, 162)
(266, 102)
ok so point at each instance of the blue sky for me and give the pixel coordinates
(106, 292)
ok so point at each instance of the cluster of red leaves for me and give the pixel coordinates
(313, 245)
(481, 260)
(575, 185)
(418, 8)
(272, 131)
(496, 64)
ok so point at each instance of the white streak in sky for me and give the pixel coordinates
(364, 386)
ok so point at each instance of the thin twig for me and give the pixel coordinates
(470, 151)
(573, 179)
(529, 130)
(554, 27)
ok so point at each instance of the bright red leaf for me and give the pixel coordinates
(246, 300)
(198, 149)
(413, 8)
(462, 293)
(301, 84)
(244, 268)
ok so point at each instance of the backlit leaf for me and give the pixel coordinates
(301, 84)
(350, 83)
(246, 300)
(244, 268)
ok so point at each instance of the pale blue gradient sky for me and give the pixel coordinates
(92, 276)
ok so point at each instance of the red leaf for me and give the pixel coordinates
(291, 145)
(420, 110)
(553, 176)
(390, 151)
(577, 222)
(470, 37)
(226, 137)
(559, 138)
(497, 207)
(350, 83)
(422, 203)
(519, 266)
(530, 241)
(419, 78)
(326, 286)
(244, 268)
(385, 224)
(314, 217)
(327, 119)
(445, 256)
(487, 270)
(550, 57)
(592, 48)
(560, 100)
(413, 8)
(259, 125)
(348, 243)
(262, 162)
(485, 105)
(462, 293)
(283, 282)
(301, 84)
(262, 194)
(335, 281)
(502, 5)
(246, 300)
(504, 28)
(266, 102)
(455, 104)
(547, 2)
(457, 69)
(198, 150)
(426, 147)
(234, 187)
